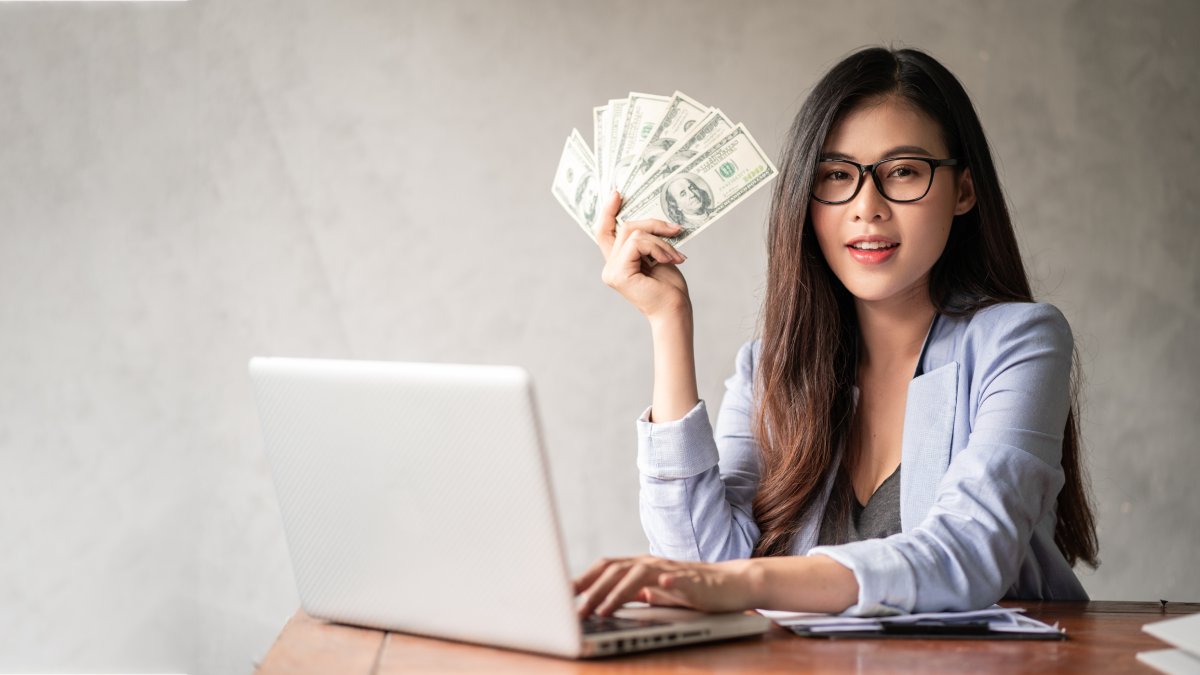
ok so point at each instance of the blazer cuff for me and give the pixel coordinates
(679, 449)
(886, 584)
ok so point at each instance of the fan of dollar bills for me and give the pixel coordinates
(671, 157)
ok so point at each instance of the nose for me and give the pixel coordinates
(869, 205)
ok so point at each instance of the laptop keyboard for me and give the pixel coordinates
(604, 624)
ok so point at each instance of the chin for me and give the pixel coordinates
(866, 291)
(871, 295)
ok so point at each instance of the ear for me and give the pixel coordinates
(966, 193)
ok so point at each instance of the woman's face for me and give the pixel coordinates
(872, 132)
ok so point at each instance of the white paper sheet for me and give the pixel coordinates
(1182, 632)
(1002, 619)
(1171, 661)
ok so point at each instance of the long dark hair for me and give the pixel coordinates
(809, 326)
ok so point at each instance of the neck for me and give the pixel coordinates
(893, 330)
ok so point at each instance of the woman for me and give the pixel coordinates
(902, 438)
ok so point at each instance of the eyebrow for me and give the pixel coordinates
(898, 150)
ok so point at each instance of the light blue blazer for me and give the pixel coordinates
(981, 457)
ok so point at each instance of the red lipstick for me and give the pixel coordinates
(872, 256)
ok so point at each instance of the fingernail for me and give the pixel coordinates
(615, 195)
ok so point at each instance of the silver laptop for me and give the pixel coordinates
(415, 498)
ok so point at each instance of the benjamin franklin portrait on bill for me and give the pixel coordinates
(687, 201)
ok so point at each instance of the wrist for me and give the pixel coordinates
(802, 583)
(752, 578)
(671, 322)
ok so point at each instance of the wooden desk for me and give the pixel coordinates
(1103, 637)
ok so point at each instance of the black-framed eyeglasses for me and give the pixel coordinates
(898, 179)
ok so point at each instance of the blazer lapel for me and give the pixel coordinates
(926, 442)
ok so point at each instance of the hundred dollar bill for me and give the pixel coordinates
(575, 182)
(600, 117)
(616, 122)
(642, 115)
(707, 131)
(683, 112)
(707, 187)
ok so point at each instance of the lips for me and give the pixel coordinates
(873, 256)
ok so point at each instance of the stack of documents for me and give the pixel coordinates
(1183, 633)
(993, 623)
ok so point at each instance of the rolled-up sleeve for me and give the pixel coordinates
(679, 449)
(969, 548)
(697, 487)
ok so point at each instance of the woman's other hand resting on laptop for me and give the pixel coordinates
(816, 582)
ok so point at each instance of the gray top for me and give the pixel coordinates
(879, 518)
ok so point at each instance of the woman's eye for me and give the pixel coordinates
(902, 171)
(837, 175)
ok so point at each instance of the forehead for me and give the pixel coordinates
(871, 130)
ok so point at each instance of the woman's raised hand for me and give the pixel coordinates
(655, 289)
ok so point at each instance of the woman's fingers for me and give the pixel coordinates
(640, 244)
(589, 577)
(605, 227)
(626, 265)
(636, 242)
(641, 228)
(647, 246)
(598, 591)
(655, 250)
(609, 584)
(658, 228)
(659, 596)
(638, 576)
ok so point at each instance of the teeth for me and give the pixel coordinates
(872, 245)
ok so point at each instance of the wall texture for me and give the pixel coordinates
(184, 185)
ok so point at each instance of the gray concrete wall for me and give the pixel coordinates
(184, 185)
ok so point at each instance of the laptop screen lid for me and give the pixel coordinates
(415, 497)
